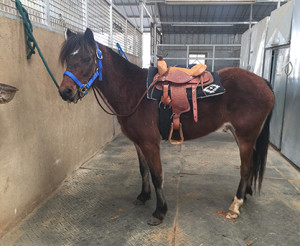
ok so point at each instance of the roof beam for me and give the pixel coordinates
(147, 11)
(257, 1)
(206, 23)
(157, 12)
(152, 2)
(147, 2)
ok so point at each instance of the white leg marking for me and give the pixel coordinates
(234, 209)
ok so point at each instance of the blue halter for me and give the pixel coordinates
(83, 88)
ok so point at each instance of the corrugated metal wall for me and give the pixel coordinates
(57, 15)
(274, 47)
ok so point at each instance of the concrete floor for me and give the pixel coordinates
(95, 205)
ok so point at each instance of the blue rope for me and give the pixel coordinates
(121, 52)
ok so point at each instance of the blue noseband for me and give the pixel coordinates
(83, 88)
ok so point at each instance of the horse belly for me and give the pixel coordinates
(211, 112)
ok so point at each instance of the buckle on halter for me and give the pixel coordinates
(99, 54)
(83, 90)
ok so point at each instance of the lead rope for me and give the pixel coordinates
(113, 112)
(31, 42)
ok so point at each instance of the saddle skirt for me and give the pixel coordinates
(214, 88)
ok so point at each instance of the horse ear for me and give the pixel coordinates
(89, 36)
(69, 33)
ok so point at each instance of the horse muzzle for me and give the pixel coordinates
(70, 95)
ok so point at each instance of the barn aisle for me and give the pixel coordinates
(95, 205)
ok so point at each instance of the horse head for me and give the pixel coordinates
(82, 56)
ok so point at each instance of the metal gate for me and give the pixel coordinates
(215, 56)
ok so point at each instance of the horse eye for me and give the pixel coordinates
(86, 59)
(72, 65)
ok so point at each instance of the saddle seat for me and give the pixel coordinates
(194, 71)
(173, 82)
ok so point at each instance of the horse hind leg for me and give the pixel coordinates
(253, 153)
(144, 170)
(246, 152)
(249, 184)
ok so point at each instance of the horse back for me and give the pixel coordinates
(247, 102)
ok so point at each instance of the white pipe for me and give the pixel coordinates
(278, 3)
(141, 17)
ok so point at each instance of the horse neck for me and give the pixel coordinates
(123, 83)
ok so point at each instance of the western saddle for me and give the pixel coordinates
(173, 82)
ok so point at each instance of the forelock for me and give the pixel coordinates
(70, 45)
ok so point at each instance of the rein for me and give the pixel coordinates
(83, 88)
(113, 112)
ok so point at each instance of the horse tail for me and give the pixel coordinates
(260, 153)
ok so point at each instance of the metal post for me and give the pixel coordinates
(86, 13)
(141, 17)
(187, 55)
(250, 36)
(155, 45)
(278, 4)
(48, 13)
(111, 24)
(213, 60)
(126, 34)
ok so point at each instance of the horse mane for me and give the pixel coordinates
(126, 65)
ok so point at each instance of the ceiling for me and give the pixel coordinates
(196, 18)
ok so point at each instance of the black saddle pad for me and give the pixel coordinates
(213, 89)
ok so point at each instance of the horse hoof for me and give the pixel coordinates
(138, 202)
(232, 215)
(154, 221)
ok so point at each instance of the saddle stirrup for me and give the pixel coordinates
(180, 133)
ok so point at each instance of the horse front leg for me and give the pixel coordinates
(144, 170)
(151, 153)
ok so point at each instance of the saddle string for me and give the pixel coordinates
(96, 91)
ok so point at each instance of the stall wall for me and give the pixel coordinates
(281, 67)
(270, 33)
(291, 129)
(279, 28)
(278, 77)
(252, 58)
(43, 138)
